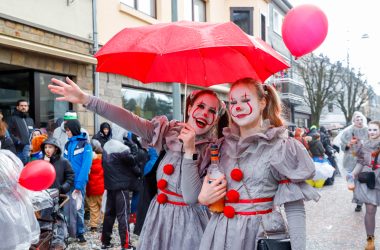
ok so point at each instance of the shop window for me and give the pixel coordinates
(47, 109)
(147, 104)
(145, 6)
(243, 17)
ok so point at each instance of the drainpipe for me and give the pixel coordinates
(176, 88)
(95, 49)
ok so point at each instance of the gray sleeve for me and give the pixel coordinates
(191, 183)
(296, 216)
(122, 117)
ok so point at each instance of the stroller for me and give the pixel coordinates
(48, 215)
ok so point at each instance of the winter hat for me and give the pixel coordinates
(106, 125)
(73, 126)
(70, 115)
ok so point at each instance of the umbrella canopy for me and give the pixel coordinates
(197, 53)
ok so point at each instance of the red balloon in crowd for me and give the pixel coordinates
(304, 29)
(37, 175)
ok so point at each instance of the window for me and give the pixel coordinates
(277, 22)
(243, 17)
(147, 104)
(199, 11)
(47, 109)
(263, 27)
(32, 86)
(195, 10)
(145, 6)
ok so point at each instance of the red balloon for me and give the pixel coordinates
(37, 175)
(304, 29)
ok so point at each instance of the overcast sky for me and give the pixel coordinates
(348, 21)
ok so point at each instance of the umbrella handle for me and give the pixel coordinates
(184, 106)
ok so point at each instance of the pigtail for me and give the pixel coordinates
(273, 109)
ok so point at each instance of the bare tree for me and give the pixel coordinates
(320, 77)
(353, 93)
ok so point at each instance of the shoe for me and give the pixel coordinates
(370, 243)
(106, 246)
(81, 239)
(358, 208)
(129, 248)
(86, 215)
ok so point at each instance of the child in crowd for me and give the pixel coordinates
(95, 186)
(64, 181)
(36, 153)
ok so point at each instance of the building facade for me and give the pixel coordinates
(59, 38)
(39, 41)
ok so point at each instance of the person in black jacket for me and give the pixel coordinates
(104, 134)
(5, 141)
(20, 126)
(121, 175)
(64, 181)
(316, 147)
(329, 150)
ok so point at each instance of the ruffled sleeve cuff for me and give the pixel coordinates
(289, 192)
(161, 126)
(290, 160)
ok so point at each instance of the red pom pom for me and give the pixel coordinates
(229, 212)
(236, 174)
(233, 195)
(162, 198)
(162, 184)
(168, 169)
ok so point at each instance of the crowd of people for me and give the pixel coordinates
(264, 167)
(85, 167)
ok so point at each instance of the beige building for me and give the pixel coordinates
(58, 38)
(38, 41)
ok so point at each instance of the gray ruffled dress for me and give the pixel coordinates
(273, 169)
(366, 159)
(170, 222)
(350, 155)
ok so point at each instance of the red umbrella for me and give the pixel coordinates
(203, 54)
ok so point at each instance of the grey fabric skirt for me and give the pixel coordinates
(365, 195)
(169, 226)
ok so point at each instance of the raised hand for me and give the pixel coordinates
(187, 136)
(69, 91)
(212, 191)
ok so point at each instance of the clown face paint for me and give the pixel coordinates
(358, 121)
(203, 114)
(373, 131)
(244, 106)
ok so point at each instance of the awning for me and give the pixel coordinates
(44, 49)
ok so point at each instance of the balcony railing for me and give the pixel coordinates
(290, 90)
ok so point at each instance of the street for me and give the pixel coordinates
(331, 223)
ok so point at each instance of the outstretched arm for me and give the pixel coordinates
(71, 92)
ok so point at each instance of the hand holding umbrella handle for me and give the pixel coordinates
(69, 91)
(187, 137)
